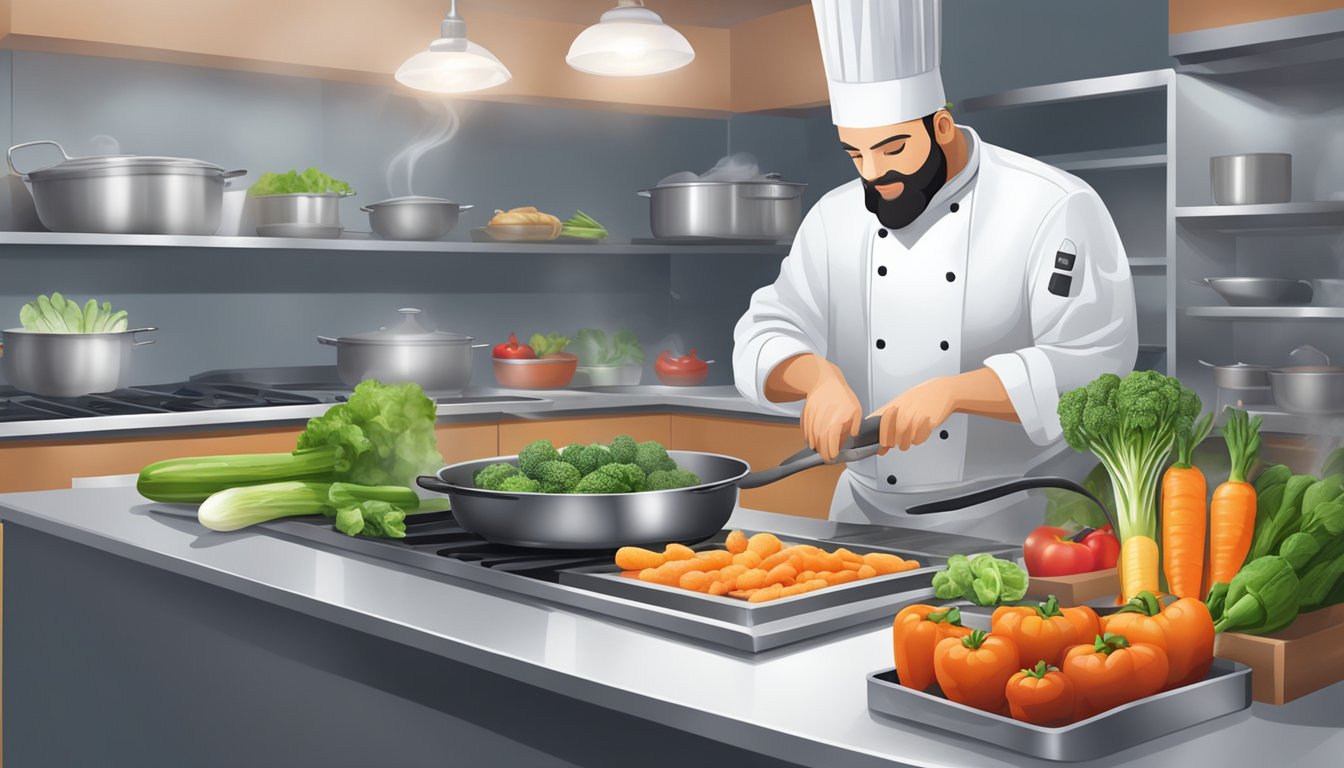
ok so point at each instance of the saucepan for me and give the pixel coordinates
(1309, 389)
(608, 521)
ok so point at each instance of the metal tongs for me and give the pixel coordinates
(867, 444)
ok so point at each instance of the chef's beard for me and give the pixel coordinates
(920, 187)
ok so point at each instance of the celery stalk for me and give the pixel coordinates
(236, 508)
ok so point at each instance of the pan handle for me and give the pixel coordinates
(857, 449)
(24, 174)
(998, 491)
(432, 483)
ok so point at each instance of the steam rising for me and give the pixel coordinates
(740, 166)
(440, 129)
(102, 144)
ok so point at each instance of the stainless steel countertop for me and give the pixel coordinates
(805, 703)
(712, 399)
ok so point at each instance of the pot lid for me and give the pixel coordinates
(411, 200)
(408, 331)
(97, 165)
(1236, 366)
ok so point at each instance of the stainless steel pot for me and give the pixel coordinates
(1309, 389)
(440, 362)
(69, 364)
(414, 217)
(729, 210)
(1239, 376)
(127, 194)
(301, 214)
(1265, 177)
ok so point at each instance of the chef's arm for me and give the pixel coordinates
(797, 376)
(981, 393)
(1084, 327)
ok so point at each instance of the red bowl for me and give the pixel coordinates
(544, 373)
(679, 379)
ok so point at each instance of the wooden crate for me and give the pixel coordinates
(1075, 590)
(1305, 657)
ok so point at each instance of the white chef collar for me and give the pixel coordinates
(965, 176)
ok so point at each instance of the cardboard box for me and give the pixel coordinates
(1305, 657)
(1075, 590)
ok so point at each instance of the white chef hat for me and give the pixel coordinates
(881, 59)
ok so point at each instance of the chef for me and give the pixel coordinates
(954, 289)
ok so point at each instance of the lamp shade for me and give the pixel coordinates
(629, 41)
(452, 71)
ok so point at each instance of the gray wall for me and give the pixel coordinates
(222, 308)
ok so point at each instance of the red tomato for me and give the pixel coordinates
(514, 350)
(1050, 552)
(1105, 548)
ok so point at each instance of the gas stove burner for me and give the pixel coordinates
(195, 396)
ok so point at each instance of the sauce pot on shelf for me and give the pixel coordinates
(439, 361)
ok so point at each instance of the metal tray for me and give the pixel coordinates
(1225, 690)
(607, 579)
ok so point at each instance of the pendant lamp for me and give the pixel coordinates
(453, 64)
(629, 41)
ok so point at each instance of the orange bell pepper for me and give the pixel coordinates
(914, 634)
(1044, 632)
(1186, 629)
(1041, 695)
(975, 670)
(1111, 672)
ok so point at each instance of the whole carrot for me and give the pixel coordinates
(1232, 512)
(1184, 517)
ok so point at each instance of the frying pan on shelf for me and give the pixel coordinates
(612, 520)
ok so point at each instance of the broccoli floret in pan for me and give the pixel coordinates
(534, 454)
(557, 477)
(623, 449)
(489, 478)
(651, 456)
(666, 480)
(520, 484)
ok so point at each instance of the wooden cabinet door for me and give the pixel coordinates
(762, 445)
(582, 429)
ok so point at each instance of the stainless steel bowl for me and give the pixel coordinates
(414, 218)
(299, 215)
(439, 361)
(69, 364)
(127, 194)
(1251, 179)
(743, 210)
(1259, 291)
(596, 521)
(1309, 389)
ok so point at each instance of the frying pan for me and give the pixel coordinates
(611, 520)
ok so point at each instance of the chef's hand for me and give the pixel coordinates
(831, 413)
(911, 418)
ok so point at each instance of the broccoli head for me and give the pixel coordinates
(592, 457)
(651, 456)
(623, 449)
(557, 477)
(519, 484)
(1131, 424)
(612, 478)
(666, 480)
(571, 454)
(490, 477)
(534, 454)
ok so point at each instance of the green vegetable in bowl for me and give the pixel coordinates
(596, 349)
(550, 344)
(557, 477)
(612, 478)
(519, 484)
(590, 457)
(489, 478)
(311, 181)
(383, 435)
(624, 449)
(535, 454)
(651, 456)
(625, 466)
(57, 314)
(983, 580)
(664, 479)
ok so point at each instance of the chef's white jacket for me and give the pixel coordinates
(1015, 266)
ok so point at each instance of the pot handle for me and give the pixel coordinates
(645, 193)
(330, 342)
(1316, 354)
(146, 329)
(1202, 282)
(465, 207)
(366, 209)
(10, 155)
(479, 346)
(227, 175)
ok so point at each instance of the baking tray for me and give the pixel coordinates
(1225, 690)
(607, 579)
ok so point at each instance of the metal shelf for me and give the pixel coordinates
(1073, 90)
(373, 245)
(1114, 159)
(1250, 218)
(1147, 262)
(1266, 313)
